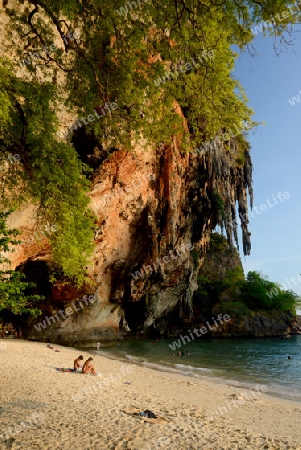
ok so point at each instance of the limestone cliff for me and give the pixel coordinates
(150, 203)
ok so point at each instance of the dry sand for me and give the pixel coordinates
(40, 408)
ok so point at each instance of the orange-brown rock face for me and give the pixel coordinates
(152, 206)
(137, 198)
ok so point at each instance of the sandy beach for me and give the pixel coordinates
(42, 408)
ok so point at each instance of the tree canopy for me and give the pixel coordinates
(237, 295)
(260, 293)
(81, 57)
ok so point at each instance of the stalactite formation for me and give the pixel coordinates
(224, 175)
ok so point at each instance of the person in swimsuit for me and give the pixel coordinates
(77, 364)
(88, 367)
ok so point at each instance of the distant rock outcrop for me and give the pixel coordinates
(268, 324)
(219, 260)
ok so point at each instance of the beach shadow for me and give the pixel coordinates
(28, 405)
(61, 371)
(55, 368)
(46, 365)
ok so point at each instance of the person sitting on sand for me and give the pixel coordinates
(77, 364)
(88, 367)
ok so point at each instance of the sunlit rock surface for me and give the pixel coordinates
(153, 206)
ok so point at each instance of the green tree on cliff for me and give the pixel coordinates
(49, 174)
(13, 295)
(119, 57)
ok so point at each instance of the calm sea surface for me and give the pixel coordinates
(240, 362)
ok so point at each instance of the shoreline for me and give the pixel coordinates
(201, 375)
(196, 372)
(201, 413)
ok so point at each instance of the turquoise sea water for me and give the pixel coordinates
(243, 362)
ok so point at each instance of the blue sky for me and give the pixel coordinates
(269, 81)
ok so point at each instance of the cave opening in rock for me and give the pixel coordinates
(38, 273)
(89, 147)
(135, 314)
